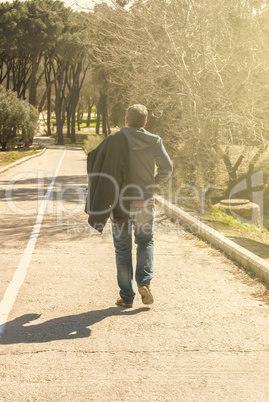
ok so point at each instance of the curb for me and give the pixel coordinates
(248, 260)
(21, 161)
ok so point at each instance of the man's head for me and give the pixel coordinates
(136, 116)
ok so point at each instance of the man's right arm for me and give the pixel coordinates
(163, 162)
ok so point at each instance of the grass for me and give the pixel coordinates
(8, 157)
(220, 216)
(83, 123)
(86, 140)
(230, 227)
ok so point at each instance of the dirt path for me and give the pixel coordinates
(206, 338)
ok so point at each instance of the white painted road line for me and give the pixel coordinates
(13, 289)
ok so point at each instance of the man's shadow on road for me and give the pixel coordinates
(68, 327)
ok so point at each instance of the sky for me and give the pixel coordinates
(81, 3)
(85, 4)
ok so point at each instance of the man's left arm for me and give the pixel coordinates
(163, 162)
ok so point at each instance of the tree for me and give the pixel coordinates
(200, 67)
(70, 65)
(15, 63)
(29, 30)
(41, 26)
(43, 39)
(122, 3)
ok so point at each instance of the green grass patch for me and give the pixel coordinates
(83, 123)
(8, 157)
(88, 141)
(220, 216)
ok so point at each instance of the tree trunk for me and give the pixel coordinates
(81, 115)
(89, 115)
(104, 114)
(78, 117)
(61, 102)
(8, 78)
(107, 121)
(33, 86)
(108, 126)
(4, 147)
(73, 106)
(69, 121)
(59, 124)
(58, 110)
(49, 112)
(73, 124)
(104, 111)
(99, 107)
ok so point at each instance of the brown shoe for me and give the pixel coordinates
(146, 294)
(121, 303)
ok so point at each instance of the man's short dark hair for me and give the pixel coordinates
(137, 115)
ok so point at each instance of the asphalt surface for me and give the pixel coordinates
(205, 338)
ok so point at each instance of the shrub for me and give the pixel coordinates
(17, 119)
(92, 142)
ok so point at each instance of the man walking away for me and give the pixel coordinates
(145, 151)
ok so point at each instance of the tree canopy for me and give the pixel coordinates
(200, 67)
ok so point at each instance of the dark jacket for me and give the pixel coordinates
(107, 168)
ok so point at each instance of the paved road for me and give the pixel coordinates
(206, 338)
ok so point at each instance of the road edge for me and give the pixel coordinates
(26, 158)
(247, 259)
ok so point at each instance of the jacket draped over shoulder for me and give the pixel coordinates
(108, 172)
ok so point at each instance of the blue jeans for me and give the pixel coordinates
(141, 219)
